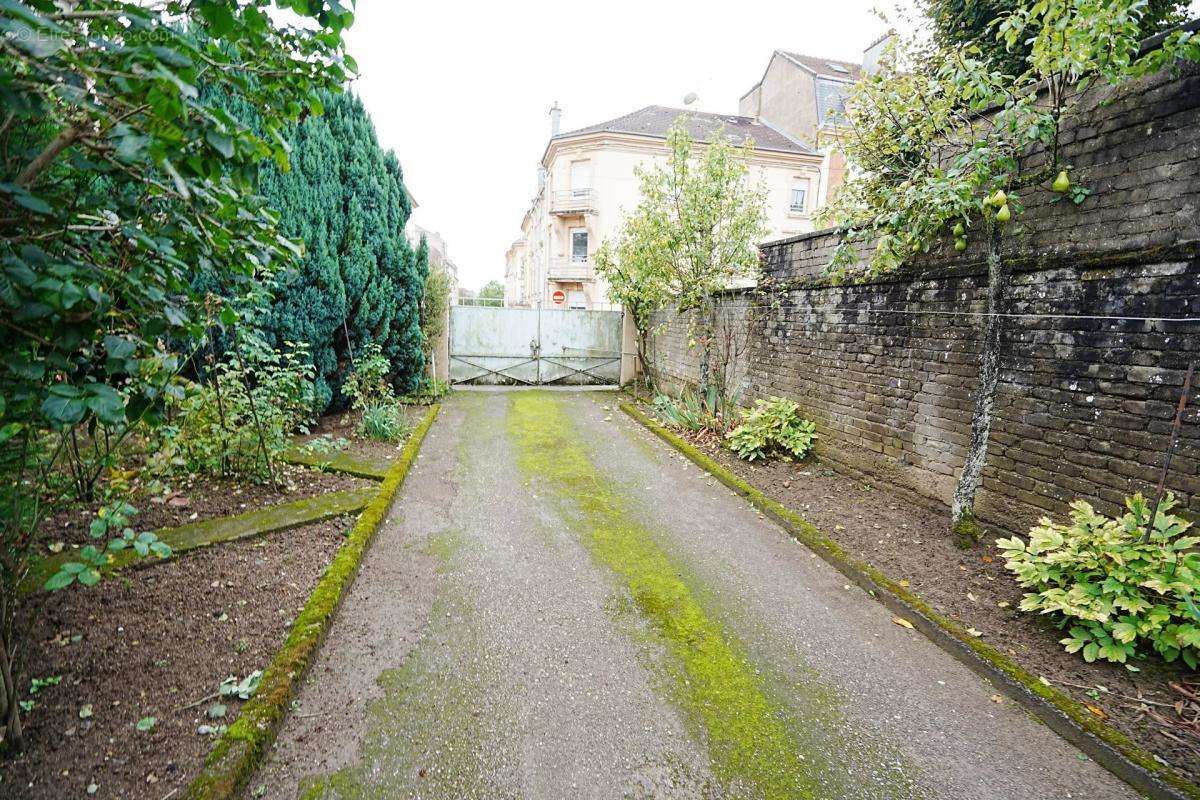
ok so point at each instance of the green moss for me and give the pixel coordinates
(240, 749)
(360, 466)
(1056, 704)
(967, 532)
(208, 532)
(720, 690)
(427, 730)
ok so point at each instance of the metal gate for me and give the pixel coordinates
(532, 346)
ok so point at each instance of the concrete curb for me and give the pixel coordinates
(1106, 745)
(240, 750)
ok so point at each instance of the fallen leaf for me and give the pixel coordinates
(85, 711)
(986, 559)
(903, 623)
(974, 632)
(1003, 604)
(972, 598)
(146, 723)
(904, 584)
(1043, 681)
(1096, 710)
(997, 698)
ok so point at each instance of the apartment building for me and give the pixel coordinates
(587, 181)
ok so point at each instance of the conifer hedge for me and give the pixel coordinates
(360, 282)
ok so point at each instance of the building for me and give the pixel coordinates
(438, 255)
(587, 181)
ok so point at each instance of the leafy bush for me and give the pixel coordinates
(1112, 591)
(384, 422)
(368, 384)
(112, 523)
(689, 412)
(772, 426)
(247, 406)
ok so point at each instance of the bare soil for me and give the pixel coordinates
(344, 424)
(198, 498)
(1158, 707)
(150, 643)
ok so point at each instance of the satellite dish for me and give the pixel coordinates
(690, 98)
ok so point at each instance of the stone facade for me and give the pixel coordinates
(887, 366)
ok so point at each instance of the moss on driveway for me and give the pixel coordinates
(721, 692)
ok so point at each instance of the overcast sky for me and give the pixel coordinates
(461, 91)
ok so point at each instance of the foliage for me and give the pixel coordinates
(772, 426)
(434, 301)
(1113, 591)
(383, 421)
(112, 523)
(240, 419)
(120, 181)
(368, 384)
(973, 23)
(694, 232)
(360, 283)
(491, 290)
(688, 412)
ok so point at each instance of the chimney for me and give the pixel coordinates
(555, 118)
(876, 51)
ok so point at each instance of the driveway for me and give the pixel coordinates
(561, 607)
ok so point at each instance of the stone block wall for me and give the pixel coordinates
(1091, 367)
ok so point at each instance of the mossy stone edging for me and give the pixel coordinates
(194, 535)
(1109, 747)
(375, 469)
(240, 750)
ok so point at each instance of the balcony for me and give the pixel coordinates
(564, 269)
(572, 202)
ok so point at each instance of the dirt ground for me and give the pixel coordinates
(200, 498)
(151, 643)
(342, 426)
(911, 543)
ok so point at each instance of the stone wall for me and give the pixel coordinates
(887, 366)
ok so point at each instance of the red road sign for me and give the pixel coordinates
(559, 297)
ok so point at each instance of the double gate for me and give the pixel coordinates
(532, 346)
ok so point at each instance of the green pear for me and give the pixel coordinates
(960, 244)
(1003, 215)
(959, 230)
(999, 198)
(1062, 183)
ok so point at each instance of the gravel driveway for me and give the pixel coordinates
(561, 607)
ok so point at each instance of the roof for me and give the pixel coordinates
(825, 67)
(655, 121)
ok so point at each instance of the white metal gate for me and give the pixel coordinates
(533, 346)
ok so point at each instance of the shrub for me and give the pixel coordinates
(368, 384)
(693, 412)
(772, 426)
(384, 422)
(1109, 589)
(247, 405)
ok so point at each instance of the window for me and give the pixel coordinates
(581, 178)
(799, 202)
(579, 245)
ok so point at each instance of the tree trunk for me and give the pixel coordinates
(962, 508)
(8, 684)
(706, 343)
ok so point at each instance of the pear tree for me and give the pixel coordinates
(940, 139)
(694, 233)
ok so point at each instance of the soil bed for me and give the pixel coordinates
(343, 425)
(910, 543)
(199, 498)
(149, 643)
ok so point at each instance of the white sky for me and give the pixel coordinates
(461, 91)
